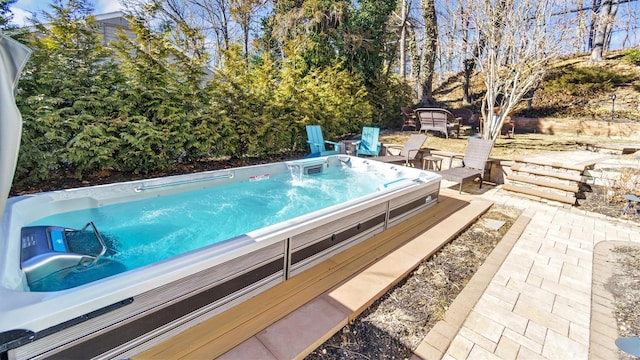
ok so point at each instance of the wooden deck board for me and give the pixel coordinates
(219, 334)
(405, 259)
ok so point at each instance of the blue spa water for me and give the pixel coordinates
(150, 230)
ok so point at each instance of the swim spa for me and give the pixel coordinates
(148, 298)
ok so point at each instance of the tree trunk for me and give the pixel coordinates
(403, 40)
(415, 62)
(595, 9)
(609, 28)
(603, 27)
(579, 29)
(430, 50)
(245, 33)
(468, 63)
(415, 55)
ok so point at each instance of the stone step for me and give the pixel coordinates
(571, 176)
(580, 167)
(566, 199)
(542, 182)
(612, 148)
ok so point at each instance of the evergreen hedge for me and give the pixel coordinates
(140, 105)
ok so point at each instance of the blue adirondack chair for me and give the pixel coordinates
(368, 143)
(317, 142)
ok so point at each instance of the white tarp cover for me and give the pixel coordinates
(13, 56)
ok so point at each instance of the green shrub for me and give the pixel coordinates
(633, 56)
(386, 96)
(153, 107)
(265, 105)
(584, 81)
(66, 98)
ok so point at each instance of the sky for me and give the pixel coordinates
(22, 8)
(22, 11)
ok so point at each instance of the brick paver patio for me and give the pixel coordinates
(538, 304)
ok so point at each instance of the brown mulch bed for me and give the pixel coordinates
(605, 201)
(624, 285)
(626, 289)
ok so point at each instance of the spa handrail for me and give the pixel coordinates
(140, 188)
(103, 249)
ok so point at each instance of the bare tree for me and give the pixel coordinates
(448, 31)
(243, 12)
(595, 8)
(209, 18)
(580, 29)
(216, 19)
(477, 49)
(518, 41)
(221, 22)
(468, 64)
(408, 21)
(631, 24)
(603, 28)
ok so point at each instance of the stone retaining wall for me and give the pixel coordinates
(575, 126)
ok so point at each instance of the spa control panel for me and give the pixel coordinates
(37, 240)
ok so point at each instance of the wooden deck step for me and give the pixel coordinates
(223, 332)
(567, 199)
(549, 173)
(551, 184)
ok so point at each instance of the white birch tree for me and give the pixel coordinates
(517, 40)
